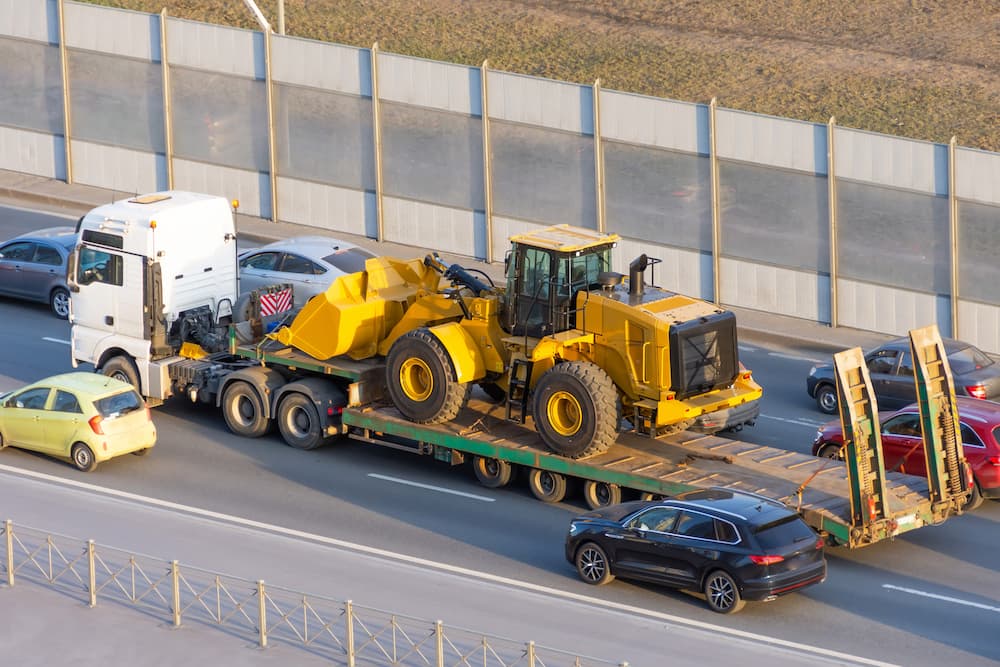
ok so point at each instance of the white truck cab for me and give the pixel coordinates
(148, 273)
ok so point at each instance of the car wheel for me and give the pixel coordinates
(601, 494)
(59, 302)
(244, 411)
(492, 473)
(830, 451)
(3, 443)
(826, 399)
(975, 498)
(592, 564)
(83, 457)
(141, 452)
(298, 422)
(722, 593)
(549, 487)
(121, 368)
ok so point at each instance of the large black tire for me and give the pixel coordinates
(422, 381)
(141, 452)
(83, 457)
(592, 564)
(722, 594)
(826, 399)
(574, 409)
(299, 422)
(121, 368)
(59, 303)
(601, 494)
(549, 487)
(244, 411)
(492, 473)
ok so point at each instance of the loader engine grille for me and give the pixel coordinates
(703, 354)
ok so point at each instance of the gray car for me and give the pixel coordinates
(309, 263)
(33, 267)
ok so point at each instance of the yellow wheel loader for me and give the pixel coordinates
(578, 347)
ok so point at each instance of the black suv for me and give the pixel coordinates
(731, 545)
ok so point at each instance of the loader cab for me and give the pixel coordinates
(543, 277)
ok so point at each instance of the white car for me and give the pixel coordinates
(309, 263)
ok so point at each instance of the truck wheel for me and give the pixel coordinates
(826, 399)
(121, 368)
(243, 410)
(549, 487)
(601, 494)
(299, 422)
(422, 381)
(492, 473)
(574, 409)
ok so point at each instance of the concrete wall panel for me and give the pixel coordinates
(32, 153)
(118, 31)
(119, 169)
(980, 325)
(892, 161)
(327, 207)
(303, 62)
(552, 104)
(650, 121)
(30, 19)
(775, 289)
(683, 271)
(778, 142)
(216, 48)
(428, 83)
(252, 189)
(890, 310)
(977, 175)
(448, 230)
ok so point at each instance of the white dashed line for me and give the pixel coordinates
(799, 422)
(943, 598)
(431, 488)
(793, 357)
(746, 348)
(56, 340)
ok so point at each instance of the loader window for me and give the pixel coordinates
(533, 292)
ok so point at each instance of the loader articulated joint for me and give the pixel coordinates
(456, 274)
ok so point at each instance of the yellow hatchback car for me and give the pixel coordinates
(83, 417)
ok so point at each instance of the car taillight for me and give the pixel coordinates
(976, 391)
(95, 424)
(766, 560)
(994, 460)
(820, 543)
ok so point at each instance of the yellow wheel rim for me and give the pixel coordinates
(416, 380)
(564, 413)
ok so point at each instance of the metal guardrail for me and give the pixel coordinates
(341, 631)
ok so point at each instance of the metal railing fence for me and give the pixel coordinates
(340, 631)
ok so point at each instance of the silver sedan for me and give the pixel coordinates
(33, 267)
(309, 263)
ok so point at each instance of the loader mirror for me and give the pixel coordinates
(506, 261)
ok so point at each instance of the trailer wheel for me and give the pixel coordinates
(121, 368)
(549, 487)
(492, 473)
(601, 494)
(647, 496)
(299, 422)
(422, 381)
(575, 409)
(244, 411)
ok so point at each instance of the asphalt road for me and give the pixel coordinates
(927, 598)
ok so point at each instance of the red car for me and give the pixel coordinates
(903, 445)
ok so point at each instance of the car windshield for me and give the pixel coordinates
(968, 359)
(783, 533)
(118, 404)
(349, 260)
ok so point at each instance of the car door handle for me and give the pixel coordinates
(611, 535)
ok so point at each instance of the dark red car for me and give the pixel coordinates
(903, 445)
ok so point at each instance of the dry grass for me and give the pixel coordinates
(926, 69)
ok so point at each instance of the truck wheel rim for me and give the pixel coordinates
(298, 422)
(416, 379)
(564, 413)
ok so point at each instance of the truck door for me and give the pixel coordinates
(111, 291)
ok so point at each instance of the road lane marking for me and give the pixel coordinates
(943, 598)
(798, 422)
(618, 607)
(746, 348)
(56, 340)
(793, 357)
(440, 489)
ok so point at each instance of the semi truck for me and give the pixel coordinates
(569, 371)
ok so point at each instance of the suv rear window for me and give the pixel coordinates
(783, 532)
(118, 404)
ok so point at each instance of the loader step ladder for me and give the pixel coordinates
(863, 439)
(517, 391)
(946, 466)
